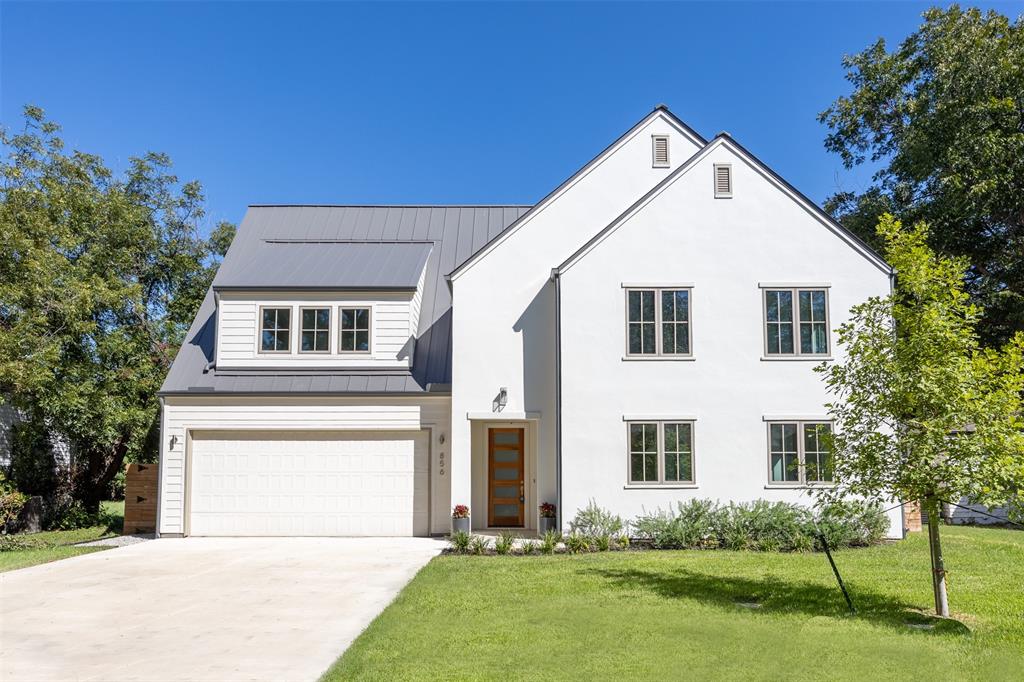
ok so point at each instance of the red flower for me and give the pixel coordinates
(461, 511)
(547, 511)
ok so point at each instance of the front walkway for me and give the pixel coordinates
(201, 608)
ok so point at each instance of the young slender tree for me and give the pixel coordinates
(100, 276)
(922, 411)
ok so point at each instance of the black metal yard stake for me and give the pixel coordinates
(839, 578)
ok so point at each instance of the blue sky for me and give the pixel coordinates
(429, 103)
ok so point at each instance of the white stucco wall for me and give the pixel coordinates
(183, 414)
(503, 303)
(725, 248)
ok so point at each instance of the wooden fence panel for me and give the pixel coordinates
(140, 498)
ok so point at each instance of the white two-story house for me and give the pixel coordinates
(644, 334)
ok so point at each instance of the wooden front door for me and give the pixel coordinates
(505, 477)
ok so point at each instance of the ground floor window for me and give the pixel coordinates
(798, 452)
(660, 452)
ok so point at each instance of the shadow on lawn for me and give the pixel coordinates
(776, 594)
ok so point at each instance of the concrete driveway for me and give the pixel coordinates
(200, 608)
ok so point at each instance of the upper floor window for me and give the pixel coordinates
(355, 330)
(661, 452)
(658, 322)
(798, 452)
(315, 334)
(796, 321)
(275, 330)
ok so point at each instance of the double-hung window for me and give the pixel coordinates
(660, 452)
(796, 322)
(798, 452)
(355, 330)
(275, 330)
(315, 334)
(658, 322)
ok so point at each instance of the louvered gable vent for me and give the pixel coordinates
(723, 181)
(660, 143)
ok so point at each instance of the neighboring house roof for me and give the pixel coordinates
(659, 110)
(448, 234)
(323, 264)
(855, 242)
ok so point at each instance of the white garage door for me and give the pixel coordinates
(309, 483)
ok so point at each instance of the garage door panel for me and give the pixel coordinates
(309, 483)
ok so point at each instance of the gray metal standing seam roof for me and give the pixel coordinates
(323, 264)
(393, 238)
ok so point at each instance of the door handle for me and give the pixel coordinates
(522, 497)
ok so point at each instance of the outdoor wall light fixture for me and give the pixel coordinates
(174, 441)
(502, 400)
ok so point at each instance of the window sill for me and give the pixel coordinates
(650, 358)
(660, 486)
(798, 486)
(796, 358)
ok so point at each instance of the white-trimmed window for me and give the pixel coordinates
(315, 330)
(658, 322)
(354, 324)
(660, 452)
(798, 452)
(796, 321)
(275, 330)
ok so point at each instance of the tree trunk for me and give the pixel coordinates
(95, 472)
(938, 566)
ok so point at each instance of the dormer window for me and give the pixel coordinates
(315, 335)
(275, 330)
(355, 330)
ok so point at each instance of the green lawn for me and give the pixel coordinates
(661, 615)
(59, 544)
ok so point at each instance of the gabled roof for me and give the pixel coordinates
(659, 110)
(724, 139)
(323, 264)
(452, 233)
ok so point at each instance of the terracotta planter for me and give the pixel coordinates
(460, 525)
(547, 523)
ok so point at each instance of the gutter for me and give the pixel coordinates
(558, 394)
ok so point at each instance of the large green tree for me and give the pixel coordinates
(100, 276)
(922, 410)
(942, 115)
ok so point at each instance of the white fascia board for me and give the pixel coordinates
(668, 117)
(639, 205)
(758, 167)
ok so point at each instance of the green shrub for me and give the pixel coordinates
(478, 545)
(761, 526)
(459, 542)
(528, 547)
(622, 542)
(11, 501)
(505, 542)
(603, 543)
(593, 522)
(851, 523)
(550, 541)
(576, 543)
(695, 524)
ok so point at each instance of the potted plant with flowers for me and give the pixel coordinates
(547, 517)
(460, 519)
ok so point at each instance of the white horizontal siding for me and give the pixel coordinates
(185, 414)
(391, 319)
